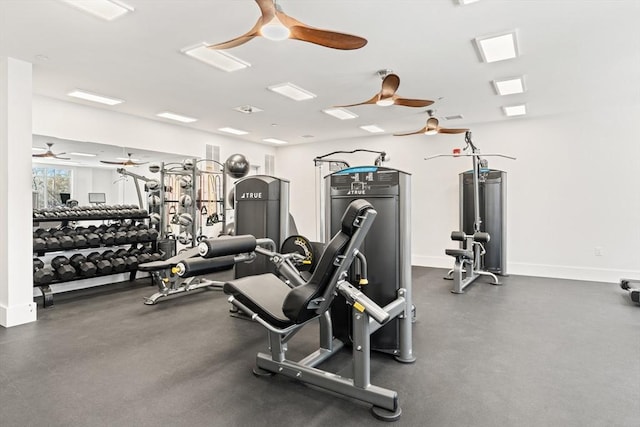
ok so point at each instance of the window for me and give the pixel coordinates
(48, 183)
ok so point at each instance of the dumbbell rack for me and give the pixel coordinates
(122, 214)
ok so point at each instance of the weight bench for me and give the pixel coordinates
(284, 310)
(181, 273)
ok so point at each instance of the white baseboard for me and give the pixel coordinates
(540, 270)
(18, 315)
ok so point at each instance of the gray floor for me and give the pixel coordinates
(535, 352)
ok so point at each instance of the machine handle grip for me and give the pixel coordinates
(363, 303)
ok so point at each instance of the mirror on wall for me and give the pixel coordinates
(76, 171)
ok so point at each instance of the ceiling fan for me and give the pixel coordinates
(387, 95)
(49, 154)
(274, 24)
(127, 162)
(432, 127)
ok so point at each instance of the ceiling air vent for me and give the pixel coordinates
(247, 109)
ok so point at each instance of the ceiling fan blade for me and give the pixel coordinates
(113, 163)
(61, 158)
(369, 101)
(333, 39)
(423, 130)
(40, 155)
(254, 32)
(451, 131)
(326, 38)
(390, 85)
(412, 102)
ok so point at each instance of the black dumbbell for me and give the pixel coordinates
(41, 232)
(132, 236)
(108, 255)
(66, 242)
(120, 237)
(153, 234)
(43, 276)
(79, 241)
(143, 257)
(52, 243)
(156, 256)
(108, 238)
(84, 267)
(92, 239)
(37, 264)
(63, 269)
(102, 265)
(39, 244)
(134, 251)
(118, 264)
(143, 235)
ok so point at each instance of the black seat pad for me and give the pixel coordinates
(263, 294)
(459, 253)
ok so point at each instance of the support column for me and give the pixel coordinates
(16, 274)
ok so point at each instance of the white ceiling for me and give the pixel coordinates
(575, 54)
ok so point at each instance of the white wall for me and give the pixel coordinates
(573, 188)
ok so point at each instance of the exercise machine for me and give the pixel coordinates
(387, 246)
(469, 257)
(262, 210)
(634, 293)
(284, 310)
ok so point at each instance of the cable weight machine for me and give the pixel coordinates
(469, 258)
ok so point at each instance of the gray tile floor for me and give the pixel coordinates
(534, 352)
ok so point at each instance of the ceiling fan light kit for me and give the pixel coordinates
(274, 30)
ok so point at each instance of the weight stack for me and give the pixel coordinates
(262, 210)
(493, 203)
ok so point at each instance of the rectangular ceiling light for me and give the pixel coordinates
(340, 113)
(88, 96)
(372, 128)
(216, 58)
(463, 2)
(83, 154)
(275, 141)
(233, 131)
(292, 91)
(177, 117)
(105, 9)
(509, 86)
(37, 149)
(497, 47)
(515, 110)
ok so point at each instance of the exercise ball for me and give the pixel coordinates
(237, 166)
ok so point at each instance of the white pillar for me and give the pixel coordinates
(16, 276)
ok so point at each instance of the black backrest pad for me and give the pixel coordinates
(297, 300)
